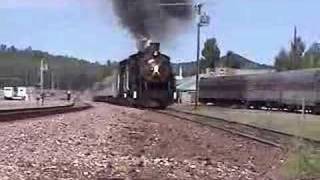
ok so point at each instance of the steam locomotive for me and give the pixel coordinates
(143, 80)
(283, 90)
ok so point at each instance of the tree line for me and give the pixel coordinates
(297, 57)
(211, 58)
(21, 67)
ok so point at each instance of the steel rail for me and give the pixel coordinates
(24, 113)
(267, 136)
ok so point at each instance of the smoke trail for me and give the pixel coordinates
(149, 19)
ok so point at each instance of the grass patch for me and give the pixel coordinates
(303, 163)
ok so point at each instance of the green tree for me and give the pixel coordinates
(294, 59)
(210, 53)
(21, 67)
(296, 54)
(311, 58)
(3, 47)
(282, 61)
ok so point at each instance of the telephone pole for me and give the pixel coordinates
(295, 62)
(52, 81)
(43, 68)
(199, 11)
(203, 20)
(41, 75)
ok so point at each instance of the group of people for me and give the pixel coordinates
(42, 96)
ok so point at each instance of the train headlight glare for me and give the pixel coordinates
(175, 96)
(135, 95)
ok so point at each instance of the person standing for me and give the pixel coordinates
(38, 99)
(68, 95)
(42, 98)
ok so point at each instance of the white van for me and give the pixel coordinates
(8, 92)
(22, 92)
(15, 93)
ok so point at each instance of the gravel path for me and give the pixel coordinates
(109, 142)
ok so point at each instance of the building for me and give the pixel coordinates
(186, 88)
(180, 76)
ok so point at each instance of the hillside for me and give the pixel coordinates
(231, 60)
(237, 61)
(21, 68)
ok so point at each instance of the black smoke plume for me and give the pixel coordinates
(153, 19)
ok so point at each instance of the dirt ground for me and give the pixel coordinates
(110, 142)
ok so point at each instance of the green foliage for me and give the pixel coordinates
(282, 61)
(297, 57)
(296, 54)
(312, 57)
(210, 53)
(303, 163)
(21, 68)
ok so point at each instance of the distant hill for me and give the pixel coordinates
(21, 68)
(231, 60)
(237, 61)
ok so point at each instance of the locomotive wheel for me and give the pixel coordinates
(316, 110)
(292, 108)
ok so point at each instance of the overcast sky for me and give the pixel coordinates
(87, 29)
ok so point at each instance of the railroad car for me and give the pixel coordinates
(144, 79)
(283, 90)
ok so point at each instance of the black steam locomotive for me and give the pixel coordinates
(283, 90)
(143, 80)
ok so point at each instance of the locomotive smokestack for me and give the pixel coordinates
(142, 44)
(154, 47)
(153, 19)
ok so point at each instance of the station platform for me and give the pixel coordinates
(291, 123)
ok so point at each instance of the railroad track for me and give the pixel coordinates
(24, 113)
(266, 136)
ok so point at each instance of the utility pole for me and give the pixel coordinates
(52, 81)
(41, 75)
(203, 20)
(294, 49)
(199, 12)
(43, 68)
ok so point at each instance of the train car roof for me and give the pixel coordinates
(282, 73)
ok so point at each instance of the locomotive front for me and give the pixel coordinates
(146, 79)
(155, 67)
(157, 77)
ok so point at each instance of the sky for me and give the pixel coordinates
(88, 29)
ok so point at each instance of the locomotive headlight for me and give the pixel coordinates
(156, 53)
(156, 69)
